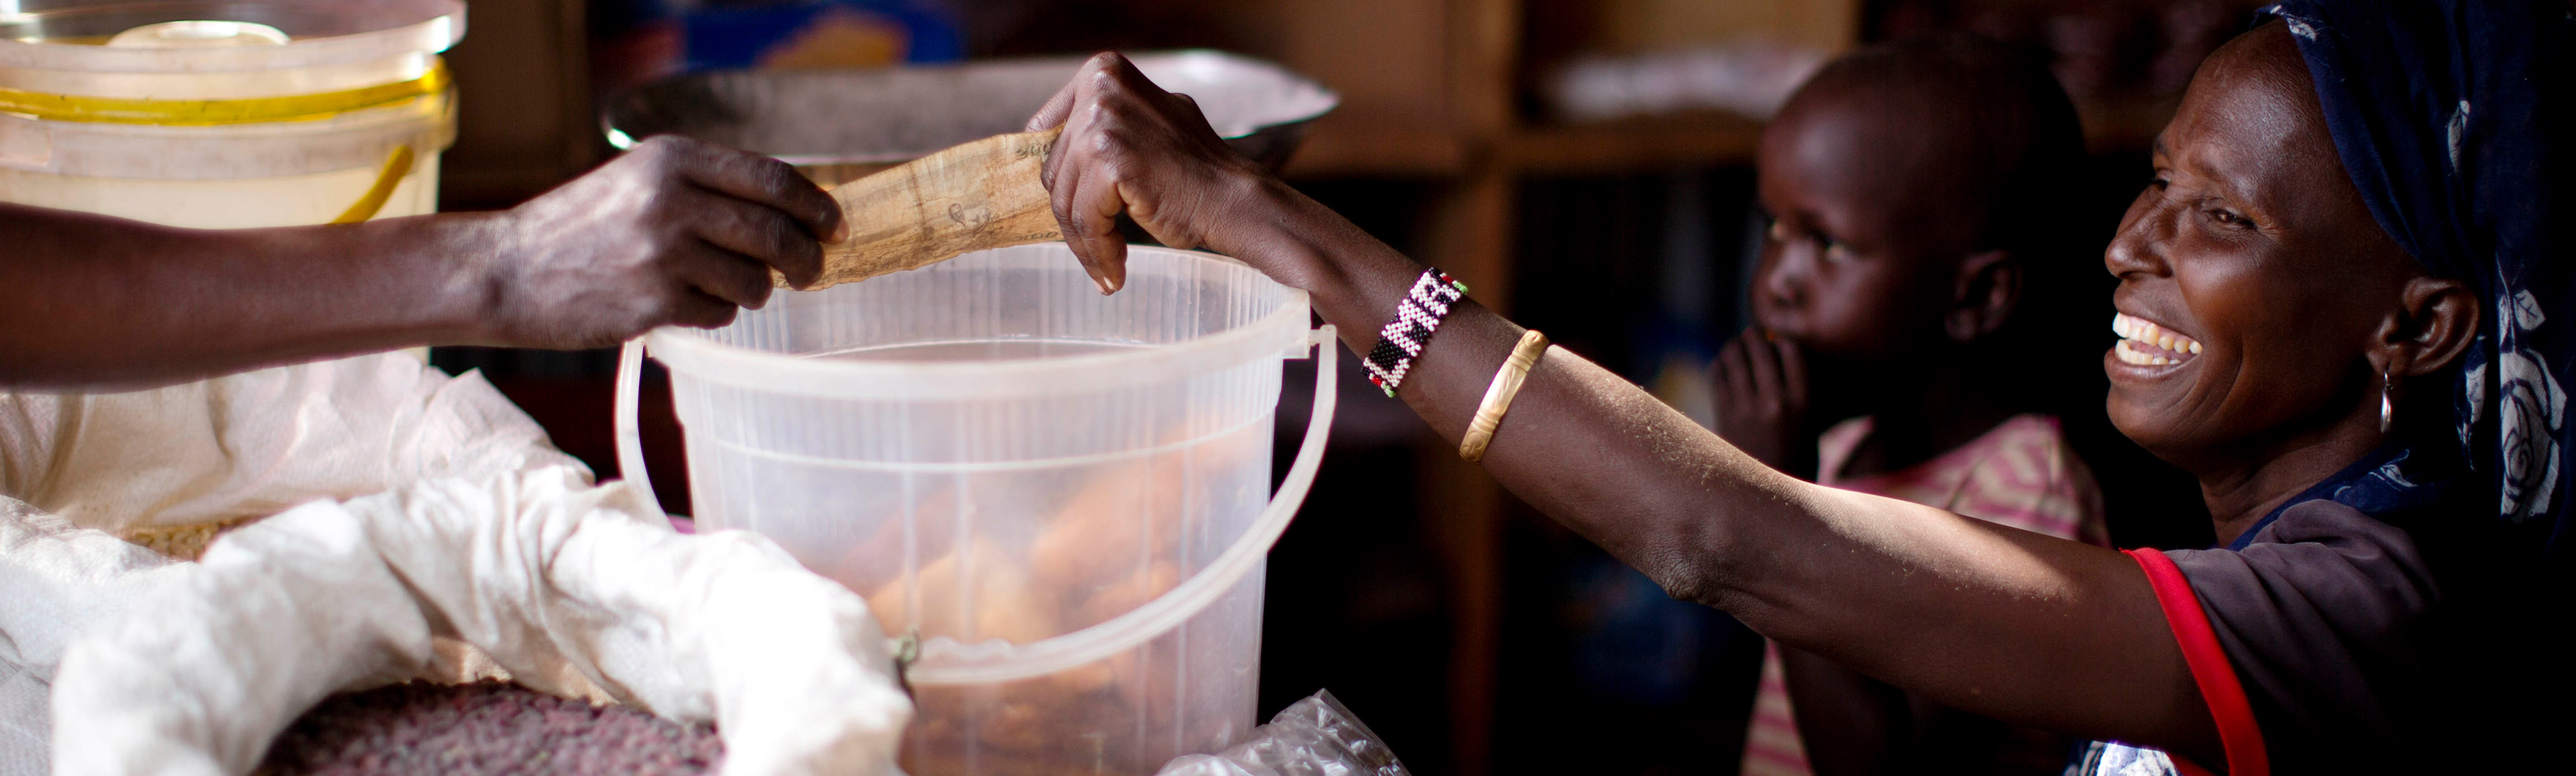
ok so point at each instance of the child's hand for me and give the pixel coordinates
(1762, 402)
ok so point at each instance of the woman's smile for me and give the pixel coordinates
(2146, 343)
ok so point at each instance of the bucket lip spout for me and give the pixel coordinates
(383, 29)
(1274, 335)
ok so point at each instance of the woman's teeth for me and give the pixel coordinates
(2145, 344)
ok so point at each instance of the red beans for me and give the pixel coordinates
(485, 728)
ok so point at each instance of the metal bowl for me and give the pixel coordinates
(839, 124)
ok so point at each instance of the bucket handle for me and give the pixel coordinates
(397, 166)
(996, 661)
(630, 440)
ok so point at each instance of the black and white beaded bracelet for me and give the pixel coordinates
(1415, 319)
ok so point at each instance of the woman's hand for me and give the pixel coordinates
(1762, 403)
(1131, 148)
(676, 231)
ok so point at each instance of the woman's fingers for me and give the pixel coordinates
(1086, 210)
(1092, 230)
(1082, 173)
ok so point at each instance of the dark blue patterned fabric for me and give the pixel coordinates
(2451, 118)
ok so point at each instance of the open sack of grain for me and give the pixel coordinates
(395, 524)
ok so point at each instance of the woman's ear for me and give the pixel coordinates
(2434, 324)
(1986, 290)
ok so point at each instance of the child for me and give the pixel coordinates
(1914, 271)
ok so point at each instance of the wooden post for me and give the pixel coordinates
(1471, 237)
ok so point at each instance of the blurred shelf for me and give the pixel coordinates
(1358, 145)
(1646, 144)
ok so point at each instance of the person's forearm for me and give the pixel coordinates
(92, 301)
(1580, 444)
(2003, 623)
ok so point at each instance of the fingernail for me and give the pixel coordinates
(1105, 288)
(840, 231)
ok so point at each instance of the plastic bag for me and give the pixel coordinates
(1317, 736)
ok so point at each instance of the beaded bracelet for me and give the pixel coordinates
(1415, 319)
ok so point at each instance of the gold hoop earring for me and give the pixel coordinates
(2387, 404)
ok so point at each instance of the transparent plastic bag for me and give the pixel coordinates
(1317, 736)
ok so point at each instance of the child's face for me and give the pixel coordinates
(1859, 263)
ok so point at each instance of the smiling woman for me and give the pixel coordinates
(2348, 227)
(2263, 316)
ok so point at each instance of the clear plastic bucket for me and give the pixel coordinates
(227, 113)
(1063, 496)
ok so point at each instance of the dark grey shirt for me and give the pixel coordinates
(2364, 646)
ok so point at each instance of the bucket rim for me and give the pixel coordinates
(1276, 334)
(433, 26)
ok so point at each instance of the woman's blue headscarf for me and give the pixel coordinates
(2451, 116)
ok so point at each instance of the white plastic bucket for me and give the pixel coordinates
(227, 113)
(1064, 496)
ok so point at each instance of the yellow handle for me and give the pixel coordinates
(189, 113)
(396, 166)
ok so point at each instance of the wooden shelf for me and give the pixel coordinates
(1360, 147)
(1364, 146)
(1634, 145)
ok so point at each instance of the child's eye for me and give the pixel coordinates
(1834, 251)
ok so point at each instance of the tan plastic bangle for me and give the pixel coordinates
(1498, 396)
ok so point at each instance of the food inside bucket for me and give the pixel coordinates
(1124, 536)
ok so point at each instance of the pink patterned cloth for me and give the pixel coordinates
(2021, 474)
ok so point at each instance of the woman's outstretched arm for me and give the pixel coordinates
(2005, 623)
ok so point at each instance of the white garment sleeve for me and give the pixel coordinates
(553, 578)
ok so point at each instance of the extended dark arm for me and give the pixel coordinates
(675, 232)
(2005, 623)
